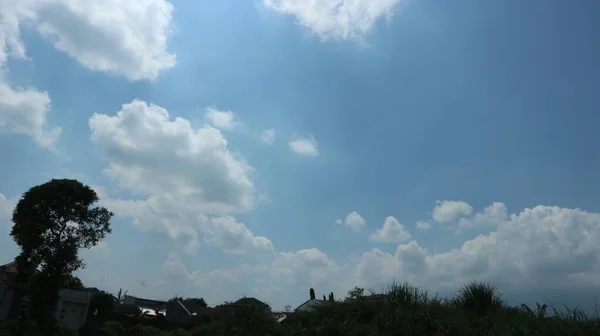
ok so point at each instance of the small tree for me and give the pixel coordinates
(120, 296)
(199, 301)
(52, 221)
(324, 298)
(356, 293)
(331, 298)
(73, 282)
(312, 294)
(101, 305)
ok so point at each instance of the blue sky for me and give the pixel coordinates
(261, 148)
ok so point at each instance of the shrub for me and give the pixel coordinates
(479, 297)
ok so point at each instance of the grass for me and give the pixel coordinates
(477, 309)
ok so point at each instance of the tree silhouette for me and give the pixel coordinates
(52, 221)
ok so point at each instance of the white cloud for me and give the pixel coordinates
(491, 215)
(423, 225)
(232, 236)
(24, 111)
(391, 232)
(355, 221)
(101, 247)
(546, 250)
(127, 38)
(6, 207)
(224, 120)
(305, 146)
(178, 171)
(268, 136)
(336, 19)
(339, 221)
(448, 211)
(13, 12)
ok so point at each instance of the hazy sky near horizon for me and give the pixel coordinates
(264, 147)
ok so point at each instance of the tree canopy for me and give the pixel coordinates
(356, 293)
(199, 301)
(52, 221)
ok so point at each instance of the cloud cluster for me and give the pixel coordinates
(336, 19)
(24, 110)
(127, 38)
(354, 221)
(447, 211)
(181, 175)
(232, 236)
(546, 248)
(391, 232)
(224, 120)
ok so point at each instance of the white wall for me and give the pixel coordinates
(72, 308)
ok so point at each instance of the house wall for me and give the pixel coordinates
(6, 302)
(176, 312)
(127, 299)
(19, 304)
(72, 308)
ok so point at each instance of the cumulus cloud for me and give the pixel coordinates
(491, 215)
(355, 221)
(423, 225)
(224, 120)
(24, 111)
(336, 19)
(177, 171)
(268, 136)
(13, 13)
(448, 211)
(546, 250)
(305, 146)
(126, 38)
(232, 236)
(391, 232)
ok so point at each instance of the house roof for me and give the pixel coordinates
(311, 300)
(147, 303)
(196, 309)
(9, 273)
(125, 308)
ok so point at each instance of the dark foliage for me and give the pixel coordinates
(101, 305)
(198, 301)
(52, 221)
